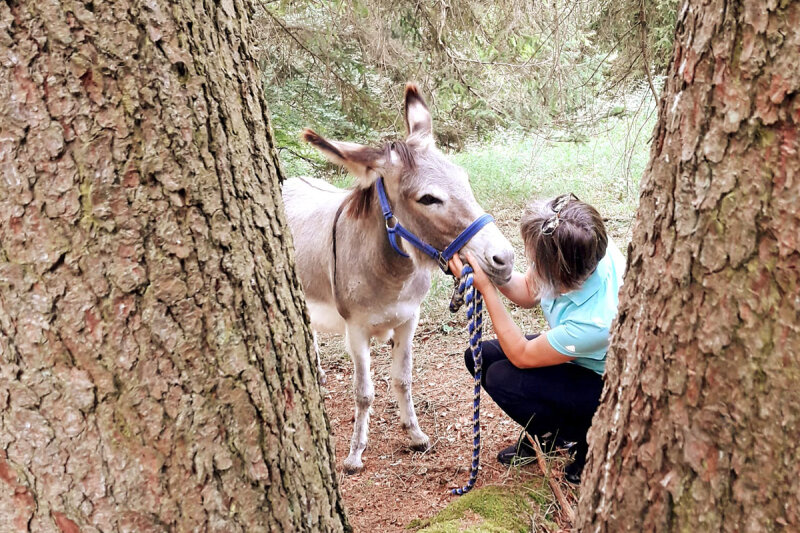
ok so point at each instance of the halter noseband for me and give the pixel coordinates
(394, 229)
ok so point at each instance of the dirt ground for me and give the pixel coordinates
(398, 485)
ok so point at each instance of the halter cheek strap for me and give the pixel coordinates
(394, 230)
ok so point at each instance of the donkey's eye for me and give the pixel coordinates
(429, 200)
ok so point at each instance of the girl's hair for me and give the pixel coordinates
(562, 245)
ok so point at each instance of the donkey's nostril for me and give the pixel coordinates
(503, 259)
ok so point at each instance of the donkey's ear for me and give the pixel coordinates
(418, 118)
(361, 161)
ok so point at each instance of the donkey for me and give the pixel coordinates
(359, 283)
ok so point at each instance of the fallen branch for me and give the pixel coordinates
(562, 501)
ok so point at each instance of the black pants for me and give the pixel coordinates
(559, 399)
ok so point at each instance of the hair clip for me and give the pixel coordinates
(560, 202)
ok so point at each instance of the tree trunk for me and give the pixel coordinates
(699, 427)
(156, 363)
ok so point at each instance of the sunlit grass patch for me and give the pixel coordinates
(493, 509)
(602, 166)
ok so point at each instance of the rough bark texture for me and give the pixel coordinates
(156, 368)
(699, 429)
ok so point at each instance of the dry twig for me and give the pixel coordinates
(643, 37)
(562, 501)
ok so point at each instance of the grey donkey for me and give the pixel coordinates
(355, 282)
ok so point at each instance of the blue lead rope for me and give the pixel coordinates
(466, 293)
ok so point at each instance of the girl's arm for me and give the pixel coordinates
(522, 353)
(519, 290)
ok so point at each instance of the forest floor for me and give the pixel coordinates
(401, 490)
(397, 485)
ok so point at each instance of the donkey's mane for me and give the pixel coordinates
(360, 199)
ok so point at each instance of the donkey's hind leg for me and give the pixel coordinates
(322, 377)
(401, 383)
(358, 346)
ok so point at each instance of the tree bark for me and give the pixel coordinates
(699, 427)
(156, 368)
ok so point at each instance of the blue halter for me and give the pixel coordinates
(396, 230)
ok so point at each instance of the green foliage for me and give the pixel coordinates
(640, 33)
(339, 66)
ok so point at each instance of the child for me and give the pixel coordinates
(550, 384)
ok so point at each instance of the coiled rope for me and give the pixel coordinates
(465, 293)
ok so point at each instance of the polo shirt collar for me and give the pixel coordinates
(587, 290)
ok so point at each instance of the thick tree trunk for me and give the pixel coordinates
(699, 429)
(155, 370)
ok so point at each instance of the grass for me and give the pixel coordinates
(493, 509)
(602, 168)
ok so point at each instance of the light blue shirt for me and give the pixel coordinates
(580, 320)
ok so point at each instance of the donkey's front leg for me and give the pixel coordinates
(401, 383)
(358, 346)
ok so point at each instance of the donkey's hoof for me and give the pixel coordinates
(423, 446)
(350, 470)
(353, 466)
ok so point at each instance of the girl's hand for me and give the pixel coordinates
(455, 265)
(479, 278)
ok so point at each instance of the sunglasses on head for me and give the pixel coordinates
(560, 202)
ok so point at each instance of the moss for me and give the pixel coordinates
(738, 46)
(764, 136)
(87, 206)
(491, 509)
(122, 425)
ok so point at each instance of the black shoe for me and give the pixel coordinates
(517, 454)
(562, 444)
(573, 471)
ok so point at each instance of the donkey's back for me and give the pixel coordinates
(311, 206)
